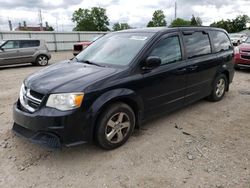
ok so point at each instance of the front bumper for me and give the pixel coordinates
(241, 62)
(52, 127)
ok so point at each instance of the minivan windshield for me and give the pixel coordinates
(114, 49)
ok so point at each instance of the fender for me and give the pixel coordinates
(121, 94)
(224, 70)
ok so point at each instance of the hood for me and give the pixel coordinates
(245, 46)
(67, 77)
(84, 43)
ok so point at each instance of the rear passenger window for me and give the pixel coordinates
(197, 44)
(29, 43)
(221, 41)
(168, 50)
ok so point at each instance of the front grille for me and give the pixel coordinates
(36, 94)
(245, 51)
(245, 57)
(30, 100)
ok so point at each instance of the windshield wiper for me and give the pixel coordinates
(91, 63)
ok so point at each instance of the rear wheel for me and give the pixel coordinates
(115, 126)
(42, 60)
(219, 88)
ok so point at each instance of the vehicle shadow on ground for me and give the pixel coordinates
(21, 66)
(16, 66)
(90, 152)
(245, 70)
(154, 122)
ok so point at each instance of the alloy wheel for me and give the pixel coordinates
(117, 127)
(220, 87)
(42, 60)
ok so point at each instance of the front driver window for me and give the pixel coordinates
(168, 50)
(10, 45)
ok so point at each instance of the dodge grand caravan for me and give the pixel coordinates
(120, 81)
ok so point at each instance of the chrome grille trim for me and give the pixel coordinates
(26, 98)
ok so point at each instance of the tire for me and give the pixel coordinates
(114, 126)
(219, 88)
(42, 60)
(236, 67)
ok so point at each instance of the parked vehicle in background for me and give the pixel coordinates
(242, 54)
(24, 51)
(122, 80)
(237, 38)
(80, 46)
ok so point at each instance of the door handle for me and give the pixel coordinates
(193, 67)
(181, 71)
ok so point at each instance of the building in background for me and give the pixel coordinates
(24, 27)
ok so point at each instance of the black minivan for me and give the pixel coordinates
(120, 81)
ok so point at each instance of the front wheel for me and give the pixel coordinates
(42, 60)
(219, 88)
(115, 126)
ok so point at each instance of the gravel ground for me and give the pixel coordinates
(203, 145)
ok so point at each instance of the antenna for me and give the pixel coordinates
(10, 25)
(175, 10)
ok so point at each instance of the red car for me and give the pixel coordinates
(78, 47)
(242, 54)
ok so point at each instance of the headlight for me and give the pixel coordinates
(65, 101)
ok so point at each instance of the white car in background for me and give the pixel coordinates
(237, 38)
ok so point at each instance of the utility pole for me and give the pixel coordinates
(175, 10)
(40, 19)
(56, 24)
(10, 25)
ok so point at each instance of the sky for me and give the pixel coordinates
(136, 13)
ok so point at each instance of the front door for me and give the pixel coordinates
(9, 54)
(165, 85)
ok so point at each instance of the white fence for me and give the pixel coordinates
(56, 41)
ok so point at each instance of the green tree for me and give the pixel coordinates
(193, 21)
(196, 21)
(235, 25)
(199, 21)
(120, 26)
(50, 28)
(180, 22)
(158, 19)
(94, 19)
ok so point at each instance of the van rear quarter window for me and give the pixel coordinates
(221, 41)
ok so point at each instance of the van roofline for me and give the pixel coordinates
(164, 29)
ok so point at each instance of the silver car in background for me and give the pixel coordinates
(237, 38)
(24, 51)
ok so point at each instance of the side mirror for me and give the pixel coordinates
(152, 62)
